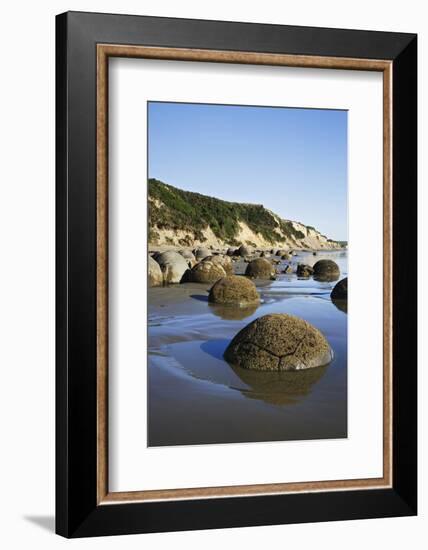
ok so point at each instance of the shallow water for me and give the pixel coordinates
(196, 397)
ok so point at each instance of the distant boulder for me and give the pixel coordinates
(206, 272)
(245, 250)
(224, 261)
(234, 290)
(173, 266)
(232, 252)
(260, 268)
(201, 253)
(304, 270)
(188, 256)
(326, 270)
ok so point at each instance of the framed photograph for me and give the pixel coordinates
(217, 184)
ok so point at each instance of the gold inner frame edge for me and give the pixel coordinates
(104, 51)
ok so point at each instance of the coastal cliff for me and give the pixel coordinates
(186, 219)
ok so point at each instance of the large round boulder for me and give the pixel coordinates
(224, 261)
(206, 272)
(173, 266)
(279, 342)
(201, 253)
(154, 272)
(326, 270)
(340, 291)
(260, 268)
(234, 290)
(244, 250)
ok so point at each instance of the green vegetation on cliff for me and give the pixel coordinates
(176, 209)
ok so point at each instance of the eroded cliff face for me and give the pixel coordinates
(185, 219)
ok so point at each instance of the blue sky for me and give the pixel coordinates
(293, 161)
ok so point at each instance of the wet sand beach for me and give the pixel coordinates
(196, 397)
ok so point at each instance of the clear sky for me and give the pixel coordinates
(293, 161)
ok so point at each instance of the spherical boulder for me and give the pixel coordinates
(340, 291)
(234, 290)
(206, 272)
(279, 342)
(326, 270)
(154, 272)
(260, 268)
(188, 256)
(224, 261)
(245, 250)
(201, 253)
(173, 266)
(304, 270)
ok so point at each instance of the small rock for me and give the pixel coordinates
(304, 270)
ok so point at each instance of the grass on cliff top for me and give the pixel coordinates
(193, 212)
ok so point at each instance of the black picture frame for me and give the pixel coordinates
(77, 511)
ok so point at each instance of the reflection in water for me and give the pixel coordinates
(279, 388)
(233, 313)
(196, 397)
(326, 277)
(341, 304)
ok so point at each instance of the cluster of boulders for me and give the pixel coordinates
(276, 342)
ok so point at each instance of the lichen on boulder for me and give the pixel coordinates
(224, 261)
(260, 268)
(206, 272)
(234, 290)
(279, 342)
